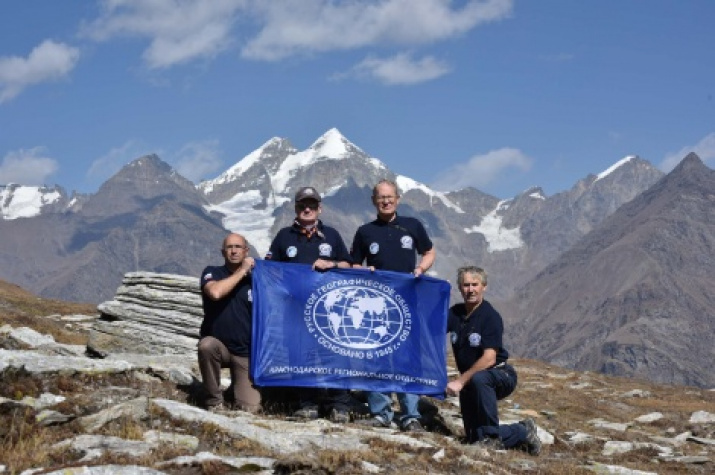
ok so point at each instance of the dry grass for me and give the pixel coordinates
(20, 308)
(562, 401)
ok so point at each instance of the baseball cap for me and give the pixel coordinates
(307, 192)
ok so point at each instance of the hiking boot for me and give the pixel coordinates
(375, 421)
(218, 408)
(413, 425)
(533, 443)
(491, 443)
(306, 413)
(339, 416)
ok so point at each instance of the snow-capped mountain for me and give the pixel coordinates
(513, 238)
(254, 197)
(17, 201)
(149, 217)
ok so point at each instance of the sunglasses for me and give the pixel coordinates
(304, 206)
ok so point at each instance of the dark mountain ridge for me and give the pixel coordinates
(634, 296)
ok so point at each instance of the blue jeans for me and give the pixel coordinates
(478, 400)
(380, 405)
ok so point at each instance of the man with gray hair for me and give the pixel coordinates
(392, 242)
(475, 329)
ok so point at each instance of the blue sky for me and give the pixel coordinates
(496, 94)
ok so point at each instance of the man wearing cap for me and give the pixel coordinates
(309, 241)
(392, 242)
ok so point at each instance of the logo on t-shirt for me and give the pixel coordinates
(292, 251)
(325, 249)
(374, 248)
(406, 242)
(250, 296)
(475, 339)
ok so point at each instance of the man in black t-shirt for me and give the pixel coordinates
(475, 329)
(226, 328)
(392, 242)
(309, 241)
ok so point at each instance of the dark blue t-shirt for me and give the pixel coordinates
(391, 246)
(470, 337)
(291, 245)
(230, 319)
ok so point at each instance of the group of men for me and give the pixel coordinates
(390, 242)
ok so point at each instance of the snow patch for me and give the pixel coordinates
(241, 217)
(25, 201)
(239, 168)
(537, 195)
(498, 238)
(614, 167)
(406, 184)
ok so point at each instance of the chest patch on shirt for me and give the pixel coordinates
(374, 248)
(475, 339)
(325, 249)
(292, 251)
(406, 242)
(250, 296)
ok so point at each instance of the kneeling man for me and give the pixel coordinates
(475, 329)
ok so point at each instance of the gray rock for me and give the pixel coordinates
(94, 446)
(151, 313)
(136, 409)
(47, 417)
(106, 470)
(651, 417)
(38, 363)
(702, 417)
(615, 469)
(252, 464)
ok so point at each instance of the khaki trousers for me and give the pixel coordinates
(213, 355)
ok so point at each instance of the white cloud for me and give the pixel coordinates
(27, 167)
(107, 165)
(179, 31)
(293, 27)
(46, 62)
(705, 149)
(196, 160)
(482, 170)
(399, 69)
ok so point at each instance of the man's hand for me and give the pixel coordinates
(453, 387)
(418, 271)
(246, 265)
(324, 264)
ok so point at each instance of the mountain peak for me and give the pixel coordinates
(614, 167)
(691, 162)
(333, 144)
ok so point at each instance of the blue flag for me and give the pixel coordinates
(349, 329)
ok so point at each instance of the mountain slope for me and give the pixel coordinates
(634, 296)
(145, 217)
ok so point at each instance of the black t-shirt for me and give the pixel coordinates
(229, 319)
(391, 246)
(291, 245)
(470, 337)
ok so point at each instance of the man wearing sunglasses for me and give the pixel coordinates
(309, 241)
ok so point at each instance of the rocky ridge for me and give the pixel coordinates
(131, 412)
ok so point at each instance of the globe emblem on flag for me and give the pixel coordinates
(358, 317)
